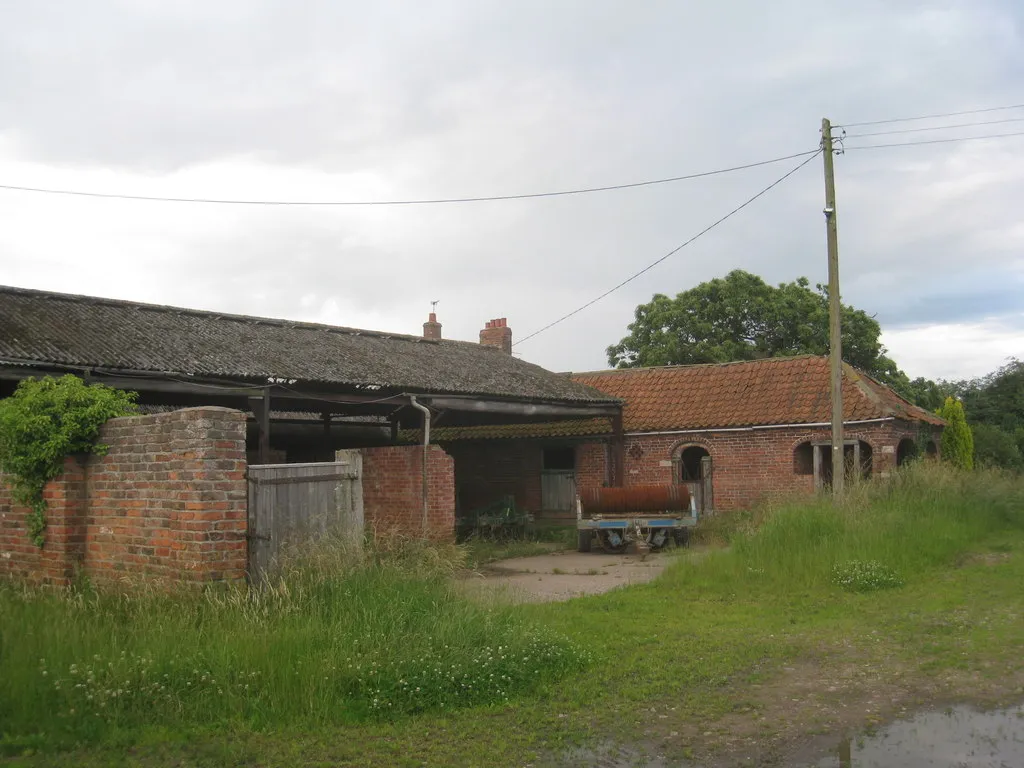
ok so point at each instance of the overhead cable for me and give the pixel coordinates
(933, 128)
(674, 251)
(431, 201)
(931, 117)
(847, 147)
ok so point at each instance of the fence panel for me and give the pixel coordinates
(293, 504)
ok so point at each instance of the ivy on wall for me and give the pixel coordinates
(42, 423)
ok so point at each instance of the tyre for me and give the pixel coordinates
(585, 540)
(681, 536)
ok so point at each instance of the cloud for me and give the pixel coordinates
(957, 351)
(340, 100)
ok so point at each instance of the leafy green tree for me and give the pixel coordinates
(995, 448)
(43, 422)
(926, 393)
(741, 317)
(957, 440)
(997, 399)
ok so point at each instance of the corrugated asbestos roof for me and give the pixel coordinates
(58, 329)
(791, 390)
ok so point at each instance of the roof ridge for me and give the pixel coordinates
(857, 379)
(689, 366)
(216, 315)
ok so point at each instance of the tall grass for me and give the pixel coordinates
(882, 534)
(340, 637)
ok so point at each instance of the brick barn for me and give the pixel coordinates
(735, 433)
(219, 392)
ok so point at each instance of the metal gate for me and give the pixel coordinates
(291, 505)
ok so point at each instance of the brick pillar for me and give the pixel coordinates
(62, 552)
(212, 524)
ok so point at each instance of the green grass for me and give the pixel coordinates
(329, 644)
(669, 658)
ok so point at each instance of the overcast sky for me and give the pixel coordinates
(400, 100)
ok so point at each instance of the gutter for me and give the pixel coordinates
(426, 444)
(765, 426)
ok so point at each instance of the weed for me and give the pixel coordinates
(864, 576)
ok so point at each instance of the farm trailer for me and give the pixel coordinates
(647, 516)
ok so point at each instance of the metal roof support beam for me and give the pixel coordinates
(261, 408)
(504, 407)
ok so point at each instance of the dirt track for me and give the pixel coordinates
(564, 575)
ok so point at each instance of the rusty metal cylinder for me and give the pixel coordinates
(635, 499)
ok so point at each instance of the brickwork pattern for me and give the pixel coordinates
(167, 502)
(751, 465)
(393, 490)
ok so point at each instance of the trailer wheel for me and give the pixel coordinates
(604, 538)
(681, 536)
(586, 538)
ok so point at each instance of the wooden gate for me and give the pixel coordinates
(291, 505)
(558, 490)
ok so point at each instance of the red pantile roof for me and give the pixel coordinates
(791, 390)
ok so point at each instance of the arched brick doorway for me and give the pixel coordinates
(695, 471)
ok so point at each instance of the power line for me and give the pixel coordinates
(933, 128)
(937, 141)
(933, 117)
(434, 201)
(674, 251)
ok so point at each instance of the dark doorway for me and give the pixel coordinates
(695, 473)
(905, 451)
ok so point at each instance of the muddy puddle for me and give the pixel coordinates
(958, 737)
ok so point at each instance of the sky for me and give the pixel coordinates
(345, 101)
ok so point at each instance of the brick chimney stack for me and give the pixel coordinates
(497, 334)
(432, 328)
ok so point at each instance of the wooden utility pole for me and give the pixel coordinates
(835, 346)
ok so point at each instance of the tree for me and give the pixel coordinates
(995, 448)
(957, 440)
(997, 399)
(926, 393)
(741, 317)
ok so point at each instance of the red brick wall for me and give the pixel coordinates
(57, 561)
(393, 490)
(167, 501)
(591, 469)
(747, 466)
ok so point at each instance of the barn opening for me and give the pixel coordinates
(558, 479)
(858, 461)
(905, 451)
(695, 472)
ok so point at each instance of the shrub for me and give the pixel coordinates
(45, 421)
(957, 440)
